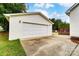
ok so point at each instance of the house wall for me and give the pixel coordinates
(24, 27)
(74, 22)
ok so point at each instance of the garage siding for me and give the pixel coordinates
(14, 29)
(32, 18)
(29, 26)
(32, 30)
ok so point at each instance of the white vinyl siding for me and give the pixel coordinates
(30, 30)
(28, 26)
(74, 22)
(32, 18)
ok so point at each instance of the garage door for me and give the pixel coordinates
(34, 29)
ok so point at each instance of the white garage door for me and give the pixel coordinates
(34, 29)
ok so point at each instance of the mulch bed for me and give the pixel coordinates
(75, 39)
(2, 33)
(63, 33)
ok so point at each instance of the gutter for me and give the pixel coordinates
(71, 9)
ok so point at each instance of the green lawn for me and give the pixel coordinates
(10, 48)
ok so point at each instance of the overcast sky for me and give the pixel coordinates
(51, 10)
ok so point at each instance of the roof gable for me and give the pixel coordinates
(30, 13)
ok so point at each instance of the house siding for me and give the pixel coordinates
(74, 22)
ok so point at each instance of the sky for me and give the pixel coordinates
(51, 10)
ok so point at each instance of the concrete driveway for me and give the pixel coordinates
(57, 45)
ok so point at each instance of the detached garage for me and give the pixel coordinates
(28, 25)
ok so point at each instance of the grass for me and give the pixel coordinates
(10, 48)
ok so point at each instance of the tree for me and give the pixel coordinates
(58, 24)
(10, 8)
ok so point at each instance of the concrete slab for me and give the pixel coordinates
(31, 46)
(52, 49)
(76, 52)
(52, 46)
(69, 45)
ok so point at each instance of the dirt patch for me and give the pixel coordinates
(4, 33)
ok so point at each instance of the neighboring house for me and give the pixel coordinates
(73, 13)
(28, 25)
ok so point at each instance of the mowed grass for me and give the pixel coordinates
(10, 48)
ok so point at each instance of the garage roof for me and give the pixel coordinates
(29, 13)
(71, 8)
